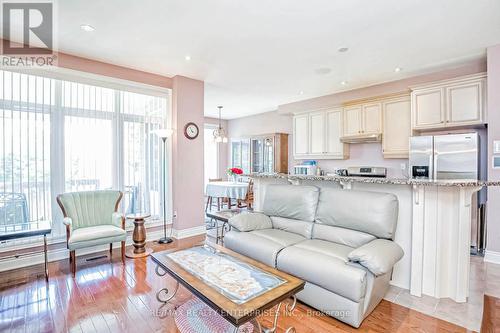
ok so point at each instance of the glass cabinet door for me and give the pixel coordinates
(245, 155)
(236, 154)
(268, 155)
(257, 155)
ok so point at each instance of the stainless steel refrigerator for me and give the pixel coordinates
(445, 157)
(452, 157)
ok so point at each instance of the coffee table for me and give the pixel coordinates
(238, 288)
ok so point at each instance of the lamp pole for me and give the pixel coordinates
(164, 239)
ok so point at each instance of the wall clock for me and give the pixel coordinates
(191, 131)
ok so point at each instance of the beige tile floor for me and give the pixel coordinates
(484, 278)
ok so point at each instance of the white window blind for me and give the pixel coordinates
(61, 136)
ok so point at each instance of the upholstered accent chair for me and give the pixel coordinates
(91, 219)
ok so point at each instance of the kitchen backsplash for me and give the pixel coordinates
(363, 154)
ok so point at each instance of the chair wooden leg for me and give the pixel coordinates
(73, 262)
(111, 250)
(123, 252)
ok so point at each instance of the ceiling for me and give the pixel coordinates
(256, 55)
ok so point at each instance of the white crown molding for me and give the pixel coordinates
(61, 254)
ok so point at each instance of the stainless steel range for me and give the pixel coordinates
(367, 172)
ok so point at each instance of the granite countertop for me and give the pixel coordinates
(374, 180)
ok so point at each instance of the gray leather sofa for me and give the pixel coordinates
(338, 241)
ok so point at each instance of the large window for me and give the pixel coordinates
(62, 136)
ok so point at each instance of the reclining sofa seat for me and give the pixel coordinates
(338, 241)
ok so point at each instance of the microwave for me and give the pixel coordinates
(304, 170)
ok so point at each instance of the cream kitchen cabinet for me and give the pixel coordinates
(396, 127)
(317, 135)
(362, 119)
(451, 103)
(301, 135)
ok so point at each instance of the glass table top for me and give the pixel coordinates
(235, 279)
(19, 230)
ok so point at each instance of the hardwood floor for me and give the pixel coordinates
(111, 297)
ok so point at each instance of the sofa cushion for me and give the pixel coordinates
(374, 213)
(324, 264)
(349, 237)
(261, 245)
(250, 221)
(291, 201)
(299, 227)
(90, 236)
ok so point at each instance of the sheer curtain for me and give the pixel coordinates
(63, 136)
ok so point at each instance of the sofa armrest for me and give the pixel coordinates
(118, 220)
(250, 221)
(379, 256)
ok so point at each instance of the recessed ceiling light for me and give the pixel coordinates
(188, 57)
(87, 27)
(301, 92)
(343, 49)
(343, 83)
(398, 69)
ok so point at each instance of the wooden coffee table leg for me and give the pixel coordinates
(139, 238)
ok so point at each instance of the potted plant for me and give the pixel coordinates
(234, 173)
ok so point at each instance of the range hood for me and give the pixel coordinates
(363, 138)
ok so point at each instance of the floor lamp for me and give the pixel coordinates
(164, 134)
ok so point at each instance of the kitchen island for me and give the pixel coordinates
(434, 227)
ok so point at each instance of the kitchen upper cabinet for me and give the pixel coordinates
(317, 135)
(429, 108)
(301, 135)
(450, 103)
(396, 131)
(352, 120)
(465, 103)
(334, 147)
(362, 119)
(372, 114)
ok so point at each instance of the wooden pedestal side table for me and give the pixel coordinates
(139, 249)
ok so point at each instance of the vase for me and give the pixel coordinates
(234, 178)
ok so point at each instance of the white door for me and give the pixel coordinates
(317, 133)
(301, 135)
(464, 104)
(428, 108)
(372, 119)
(211, 154)
(352, 121)
(334, 132)
(396, 128)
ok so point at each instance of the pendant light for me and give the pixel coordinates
(220, 132)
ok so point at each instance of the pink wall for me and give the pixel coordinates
(493, 241)
(187, 155)
(223, 148)
(360, 154)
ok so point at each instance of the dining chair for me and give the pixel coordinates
(91, 219)
(210, 198)
(248, 201)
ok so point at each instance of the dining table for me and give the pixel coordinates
(227, 189)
